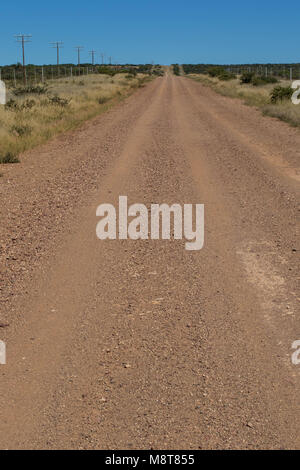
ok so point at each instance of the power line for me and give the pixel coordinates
(23, 39)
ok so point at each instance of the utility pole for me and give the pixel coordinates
(102, 57)
(57, 45)
(79, 49)
(92, 53)
(23, 39)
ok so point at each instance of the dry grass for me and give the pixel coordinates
(258, 96)
(21, 129)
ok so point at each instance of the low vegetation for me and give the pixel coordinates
(280, 93)
(8, 157)
(220, 73)
(14, 74)
(176, 69)
(35, 113)
(256, 80)
(256, 91)
(280, 71)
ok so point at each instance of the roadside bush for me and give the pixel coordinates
(215, 71)
(102, 99)
(256, 80)
(28, 104)
(225, 76)
(142, 82)
(21, 130)
(58, 101)
(107, 71)
(33, 89)
(176, 69)
(270, 79)
(9, 157)
(279, 93)
(12, 105)
(221, 73)
(158, 73)
(246, 77)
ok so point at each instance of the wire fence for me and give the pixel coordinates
(283, 71)
(16, 75)
(31, 74)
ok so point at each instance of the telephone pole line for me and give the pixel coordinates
(57, 45)
(23, 39)
(92, 53)
(79, 49)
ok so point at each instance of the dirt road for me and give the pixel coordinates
(141, 344)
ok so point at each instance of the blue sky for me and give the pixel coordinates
(164, 31)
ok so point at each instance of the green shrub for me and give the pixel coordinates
(28, 104)
(246, 77)
(12, 105)
(257, 81)
(107, 71)
(102, 99)
(221, 73)
(215, 71)
(176, 69)
(58, 101)
(9, 157)
(33, 89)
(21, 130)
(225, 76)
(270, 79)
(279, 93)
